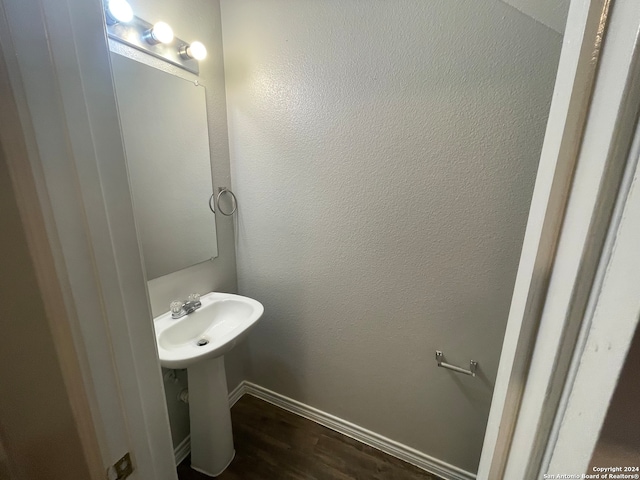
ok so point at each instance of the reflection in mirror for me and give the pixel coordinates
(164, 126)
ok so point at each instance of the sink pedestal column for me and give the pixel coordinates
(210, 418)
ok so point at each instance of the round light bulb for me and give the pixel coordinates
(197, 50)
(162, 32)
(119, 11)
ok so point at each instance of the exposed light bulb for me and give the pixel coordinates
(196, 51)
(161, 32)
(119, 11)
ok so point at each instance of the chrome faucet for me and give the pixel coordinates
(191, 304)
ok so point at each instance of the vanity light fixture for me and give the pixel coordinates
(196, 50)
(118, 11)
(161, 32)
(154, 39)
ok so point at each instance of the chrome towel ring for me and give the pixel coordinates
(234, 202)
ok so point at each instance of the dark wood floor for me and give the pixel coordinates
(273, 444)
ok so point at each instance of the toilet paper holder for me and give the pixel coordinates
(473, 365)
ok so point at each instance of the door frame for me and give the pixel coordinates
(607, 332)
(75, 174)
(58, 61)
(589, 133)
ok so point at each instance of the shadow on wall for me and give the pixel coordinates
(174, 382)
(476, 400)
(272, 342)
(619, 442)
(4, 467)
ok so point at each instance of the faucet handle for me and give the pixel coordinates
(193, 297)
(175, 306)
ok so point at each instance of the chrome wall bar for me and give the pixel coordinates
(473, 365)
(133, 34)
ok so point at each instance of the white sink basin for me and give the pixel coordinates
(222, 321)
(198, 342)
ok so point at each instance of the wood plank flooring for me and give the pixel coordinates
(273, 444)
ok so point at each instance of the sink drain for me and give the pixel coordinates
(202, 342)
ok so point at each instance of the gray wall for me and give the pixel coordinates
(384, 156)
(200, 20)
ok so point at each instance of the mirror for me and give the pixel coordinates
(164, 125)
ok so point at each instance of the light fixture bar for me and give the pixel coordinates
(133, 34)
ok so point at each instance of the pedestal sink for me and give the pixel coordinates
(198, 342)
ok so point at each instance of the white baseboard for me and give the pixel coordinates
(386, 445)
(237, 392)
(182, 450)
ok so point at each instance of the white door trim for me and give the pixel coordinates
(58, 61)
(569, 107)
(48, 288)
(606, 335)
(515, 443)
(624, 227)
(58, 58)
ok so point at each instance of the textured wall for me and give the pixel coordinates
(384, 155)
(199, 20)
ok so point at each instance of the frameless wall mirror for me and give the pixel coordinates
(164, 126)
